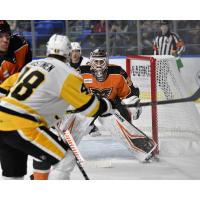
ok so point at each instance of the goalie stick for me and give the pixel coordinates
(68, 139)
(194, 97)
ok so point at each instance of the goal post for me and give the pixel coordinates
(158, 78)
(152, 66)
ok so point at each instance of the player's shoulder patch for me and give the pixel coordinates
(87, 80)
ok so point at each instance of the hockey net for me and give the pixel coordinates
(175, 127)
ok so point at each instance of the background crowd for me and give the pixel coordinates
(119, 37)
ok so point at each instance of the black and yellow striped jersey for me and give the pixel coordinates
(45, 88)
(7, 84)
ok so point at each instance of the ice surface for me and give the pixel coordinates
(108, 160)
(124, 166)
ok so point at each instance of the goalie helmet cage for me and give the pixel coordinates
(158, 79)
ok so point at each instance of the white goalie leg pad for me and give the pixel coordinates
(123, 134)
(78, 125)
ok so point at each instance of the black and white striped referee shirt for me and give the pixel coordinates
(168, 43)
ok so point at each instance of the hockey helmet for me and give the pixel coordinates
(75, 46)
(4, 27)
(59, 45)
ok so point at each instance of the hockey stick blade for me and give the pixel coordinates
(194, 97)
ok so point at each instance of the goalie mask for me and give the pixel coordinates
(59, 45)
(99, 64)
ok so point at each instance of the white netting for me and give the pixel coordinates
(178, 121)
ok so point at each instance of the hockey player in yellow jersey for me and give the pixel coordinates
(44, 89)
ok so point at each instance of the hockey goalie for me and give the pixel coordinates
(109, 82)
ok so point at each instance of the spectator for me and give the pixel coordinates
(100, 27)
(99, 30)
(146, 43)
(118, 38)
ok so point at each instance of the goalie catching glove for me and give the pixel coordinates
(136, 111)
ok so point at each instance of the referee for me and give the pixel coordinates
(167, 42)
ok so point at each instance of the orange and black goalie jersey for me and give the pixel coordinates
(116, 85)
(18, 55)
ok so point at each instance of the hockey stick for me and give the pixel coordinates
(72, 145)
(194, 97)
